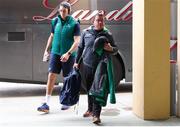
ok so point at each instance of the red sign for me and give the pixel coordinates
(124, 14)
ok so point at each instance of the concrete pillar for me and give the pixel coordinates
(178, 60)
(151, 65)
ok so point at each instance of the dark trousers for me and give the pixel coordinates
(88, 77)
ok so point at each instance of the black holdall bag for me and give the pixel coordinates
(69, 94)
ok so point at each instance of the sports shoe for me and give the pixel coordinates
(96, 120)
(87, 114)
(43, 108)
(65, 107)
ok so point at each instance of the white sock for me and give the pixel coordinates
(47, 99)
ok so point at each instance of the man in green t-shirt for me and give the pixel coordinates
(62, 43)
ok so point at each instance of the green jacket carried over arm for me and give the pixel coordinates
(103, 83)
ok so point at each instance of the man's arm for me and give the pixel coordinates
(111, 46)
(49, 42)
(80, 48)
(48, 47)
(73, 48)
(75, 44)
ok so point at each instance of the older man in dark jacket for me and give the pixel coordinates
(91, 60)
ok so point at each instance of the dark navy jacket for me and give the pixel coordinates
(85, 48)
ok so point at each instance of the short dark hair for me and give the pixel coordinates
(66, 5)
(100, 13)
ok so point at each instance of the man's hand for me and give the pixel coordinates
(64, 57)
(76, 65)
(108, 47)
(46, 56)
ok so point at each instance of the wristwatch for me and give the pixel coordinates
(69, 53)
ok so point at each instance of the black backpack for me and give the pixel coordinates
(69, 94)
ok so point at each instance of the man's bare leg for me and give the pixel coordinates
(49, 88)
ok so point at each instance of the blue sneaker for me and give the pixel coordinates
(64, 107)
(43, 108)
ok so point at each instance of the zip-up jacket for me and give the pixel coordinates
(85, 48)
(103, 82)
